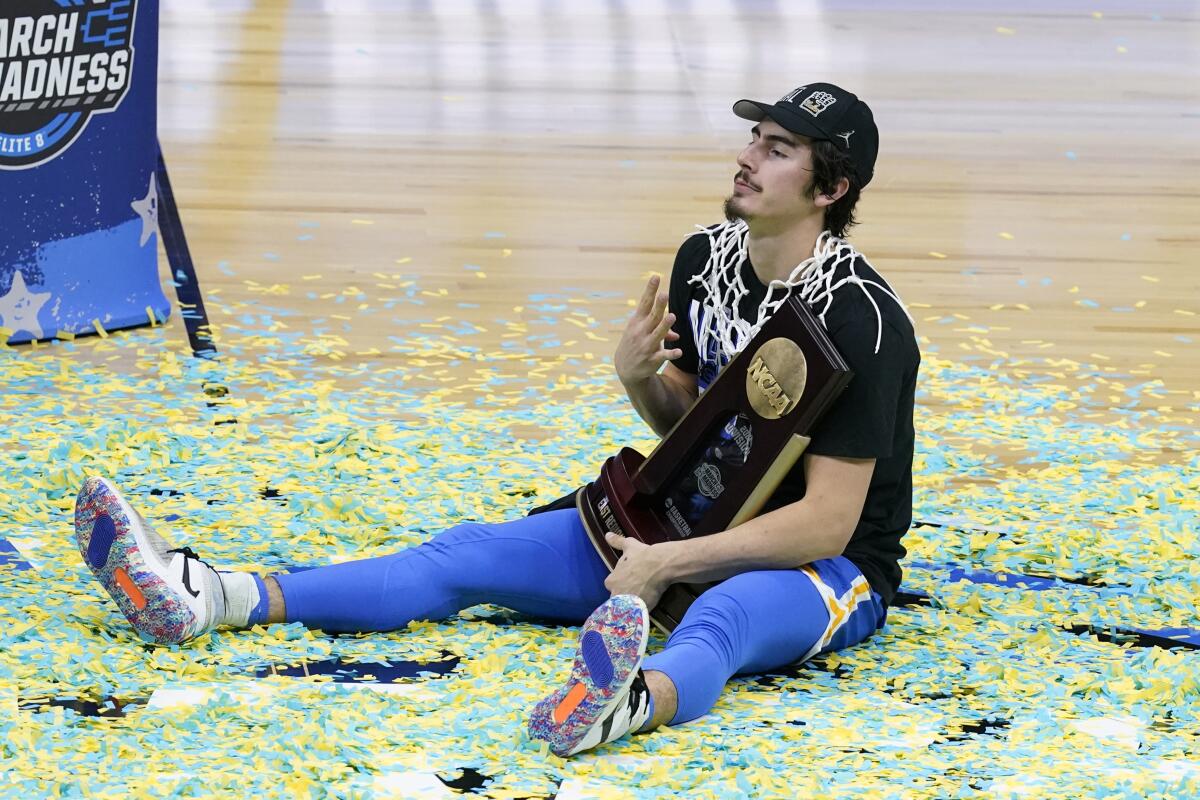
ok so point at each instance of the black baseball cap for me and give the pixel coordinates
(828, 112)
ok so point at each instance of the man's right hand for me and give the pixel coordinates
(641, 351)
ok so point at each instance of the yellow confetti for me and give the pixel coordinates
(481, 274)
(150, 316)
(506, 252)
(99, 329)
(1185, 312)
(362, 222)
(366, 504)
(936, 254)
(1005, 31)
(404, 260)
(66, 336)
(1005, 235)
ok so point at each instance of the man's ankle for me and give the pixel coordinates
(665, 700)
(276, 608)
(243, 599)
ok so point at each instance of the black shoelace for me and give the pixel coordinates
(189, 553)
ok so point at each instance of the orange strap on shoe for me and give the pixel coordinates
(569, 703)
(130, 588)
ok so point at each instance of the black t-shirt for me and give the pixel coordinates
(872, 418)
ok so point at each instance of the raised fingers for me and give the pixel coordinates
(648, 296)
(660, 304)
(664, 326)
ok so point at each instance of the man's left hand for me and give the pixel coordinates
(641, 569)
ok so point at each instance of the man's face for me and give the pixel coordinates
(774, 170)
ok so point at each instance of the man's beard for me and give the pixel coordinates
(732, 213)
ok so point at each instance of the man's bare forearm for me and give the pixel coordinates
(785, 538)
(659, 402)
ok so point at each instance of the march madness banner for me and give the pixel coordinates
(78, 148)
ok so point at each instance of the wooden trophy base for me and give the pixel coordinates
(604, 506)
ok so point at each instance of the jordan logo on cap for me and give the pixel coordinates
(846, 137)
(817, 102)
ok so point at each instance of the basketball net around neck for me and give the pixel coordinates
(812, 278)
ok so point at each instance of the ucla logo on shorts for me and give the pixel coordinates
(61, 61)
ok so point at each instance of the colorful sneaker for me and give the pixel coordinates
(167, 594)
(606, 696)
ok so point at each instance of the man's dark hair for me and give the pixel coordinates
(830, 165)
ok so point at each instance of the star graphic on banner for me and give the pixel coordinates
(147, 209)
(19, 308)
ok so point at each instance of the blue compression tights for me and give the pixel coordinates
(544, 566)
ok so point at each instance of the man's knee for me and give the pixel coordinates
(462, 547)
(716, 620)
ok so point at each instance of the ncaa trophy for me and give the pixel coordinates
(722, 461)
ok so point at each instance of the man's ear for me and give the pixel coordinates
(843, 186)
